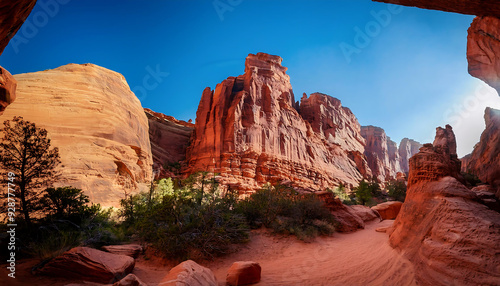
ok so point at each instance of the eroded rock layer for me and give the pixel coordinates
(484, 161)
(483, 50)
(407, 148)
(169, 138)
(382, 153)
(469, 7)
(97, 123)
(249, 130)
(443, 228)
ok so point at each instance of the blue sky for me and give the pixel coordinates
(406, 72)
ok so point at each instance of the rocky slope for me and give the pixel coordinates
(169, 138)
(469, 7)
(249, 130)
(443, 228)
(483, 50)
(97, 123)
(484, 161)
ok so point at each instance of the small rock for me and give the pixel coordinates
(189, 273)
(130, 280)
(243, 273)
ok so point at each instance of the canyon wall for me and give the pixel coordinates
(443, 228)
(384, 157)
(484, 161)
(249, 130)
(8, 86)
(97, 123)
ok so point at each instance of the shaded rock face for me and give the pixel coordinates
(443, 228)
(348, 219)
(437, 160)
(469, 7)
(483, 50)
(132, 250)
(249, 130)
(407, 148)
(7, 89)
(243, 273)
(97, 123)
(382, 153)
(89, 264)
(189, 273)
(388, 210)
(12, 16)
(169, 138)
(484, 161)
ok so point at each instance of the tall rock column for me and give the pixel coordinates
(249, 130)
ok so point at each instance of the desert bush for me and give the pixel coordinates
(367, 191)
(396, 190)
(341, 193)
(196, 221)
(287, 212)
(471, 180)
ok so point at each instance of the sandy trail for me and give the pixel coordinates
(360, 258)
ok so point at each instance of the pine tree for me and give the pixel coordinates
(25, 150)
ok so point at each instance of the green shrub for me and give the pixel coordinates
(366, 191)
(471, 180)
(287, 212)
(396, 190)
(341, 193)
(182, 223)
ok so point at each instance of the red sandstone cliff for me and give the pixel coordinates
(407, 148)
(250, 132)
(443, 228)
(484, 161)
(483, 50)
(381, 152)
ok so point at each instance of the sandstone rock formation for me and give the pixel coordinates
(169, 138)
(189, 273)
(249, 130)
(483, 50)
(382, 153)
(437, 160)
(470, 7)
(243, 273)
(98, 125)
(388, 210)
(7, 89)
(12, 16)
(347, 218)
(443, 228)
(484, 161)
(132, 250)
(89, 264)
(407, 148)
(364, 212)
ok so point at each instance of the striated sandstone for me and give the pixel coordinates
(8, 86)
(484, 161)
(132, 250)
(90, 265)
(249, 130)
(443, 228)
(483, 50)
(12, 16)
(469, 7)
(189, 273)
(349, 219)
(98, 125)
(381, 152)
(169, 138)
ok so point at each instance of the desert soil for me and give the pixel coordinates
(360, 258)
